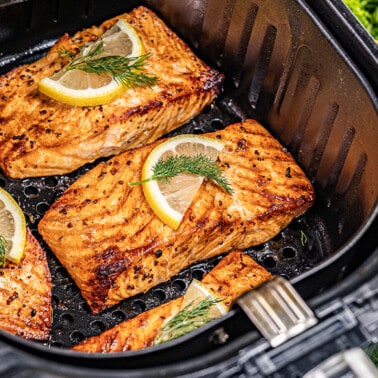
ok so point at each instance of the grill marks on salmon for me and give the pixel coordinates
(234, 275)
(40, 136)
(25, 294)
(105, 234)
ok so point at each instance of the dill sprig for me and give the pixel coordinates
(190, 318)
(198, 165)
(303, 238)
(124, 70)
(3, 251)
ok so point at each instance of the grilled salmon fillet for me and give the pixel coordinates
(112, 244)
(25, 294)
(234, 275)
(40, 136)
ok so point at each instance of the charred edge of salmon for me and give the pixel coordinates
(112, 264)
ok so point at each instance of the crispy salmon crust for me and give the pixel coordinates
(112, 244)
(25, 294)
(234, 275)
(40, 136)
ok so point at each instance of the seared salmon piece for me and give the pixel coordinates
(113, 245)
(25, 294)
(234, 275)
(40, 136)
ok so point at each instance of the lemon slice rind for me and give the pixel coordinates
(53, 89)
(11, 213)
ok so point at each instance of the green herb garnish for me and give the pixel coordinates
(124, 70)
(187, 320)
(303, 238)
(3, 251)
(198, 165)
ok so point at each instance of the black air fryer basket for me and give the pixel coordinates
(307, 70)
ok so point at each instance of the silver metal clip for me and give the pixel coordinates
(277, 310)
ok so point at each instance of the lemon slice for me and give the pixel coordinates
(170, 200)
(192, 314)
(80, 88)
(12, 226)
(198, 292)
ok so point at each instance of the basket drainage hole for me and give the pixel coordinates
(159, 295)
(66, 318)
(179, 285)
(197, 130)
(98, 326)
(51, 182)
(139, 306)
(42, 207)
(217, 124)
(76, 337)
(269, 262)
(198, 274)
(71, 290)
(31, 191)
(288, 253)
(118, 316)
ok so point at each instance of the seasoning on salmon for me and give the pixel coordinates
(234, 275)
(25, 294)
(113, 245)
(40, 136)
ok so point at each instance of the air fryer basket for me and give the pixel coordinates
(284, 68)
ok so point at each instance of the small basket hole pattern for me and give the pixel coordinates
(295, 250)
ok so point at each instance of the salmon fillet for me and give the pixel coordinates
(25, 294)
(114, 247)
(234, 275)
(40, 136)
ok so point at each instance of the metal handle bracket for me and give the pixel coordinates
(277, 310)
